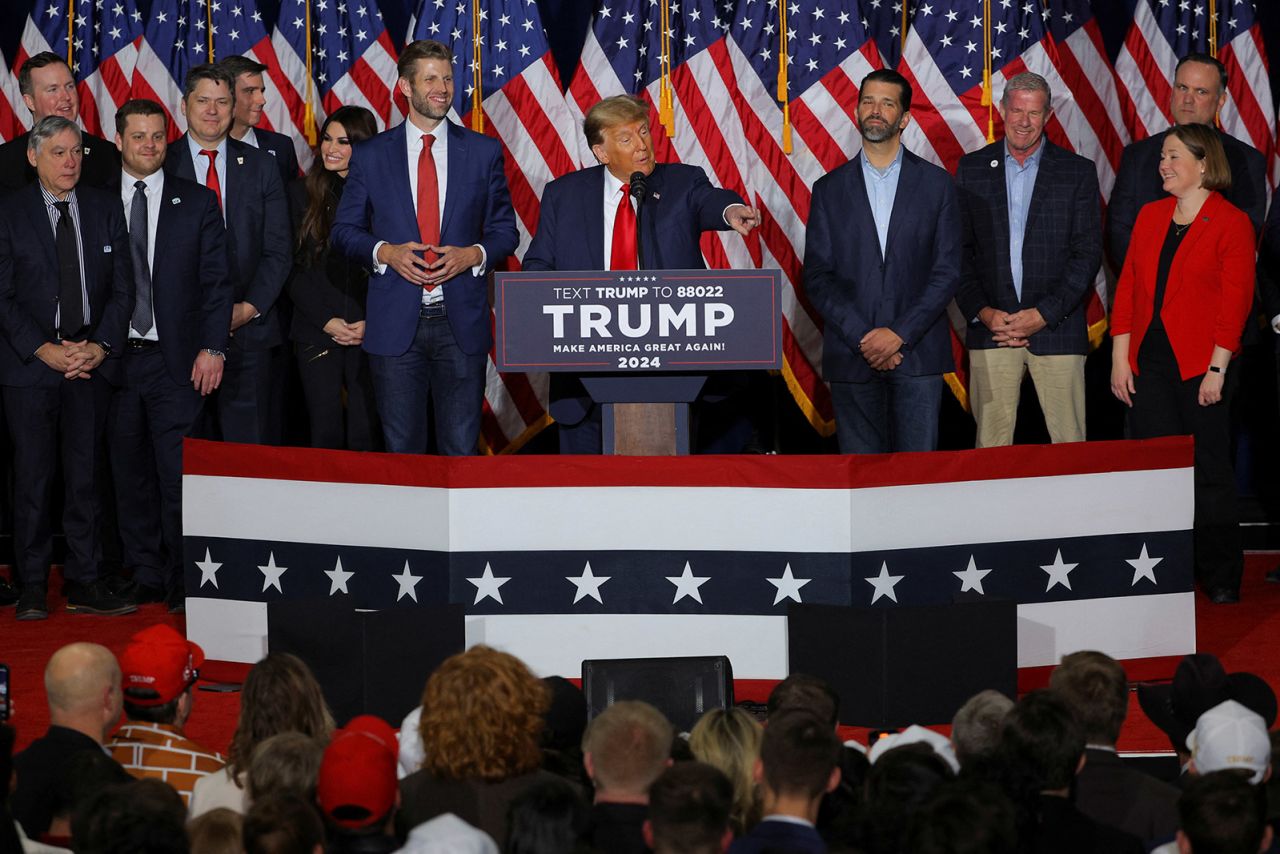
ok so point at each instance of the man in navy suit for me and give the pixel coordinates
(881, 262)
(426, 205)
(65, 297)
(259, 247)
(799, 763)
(173, 356)
(1032, 246)
(587, 216)
(250, 100)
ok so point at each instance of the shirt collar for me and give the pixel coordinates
(154, 182)
(416, 133)
(888, 170)
(1033, 159)
(196, 148)
(50, 199)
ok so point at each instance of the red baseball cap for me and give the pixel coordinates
(358, 784)
(158, 665)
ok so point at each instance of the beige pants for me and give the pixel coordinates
(995, 380)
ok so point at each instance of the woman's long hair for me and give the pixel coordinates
(280, 695)
(322, 185)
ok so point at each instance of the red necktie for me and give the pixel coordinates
(623, 254)
(428, 200)
(211, 177)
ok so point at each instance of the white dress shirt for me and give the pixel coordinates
(155, 189)
(200, 164)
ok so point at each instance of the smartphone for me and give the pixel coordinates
(4, 692)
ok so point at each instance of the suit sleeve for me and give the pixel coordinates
(709, 203)
(215, 277)
(113, 327)
(827, 289)
(1122, 211)
(1236, 259)
(274, 263)
(1269, 264)
(21, 331)
(351, 226)
(944, 275)
(500, 234)
(1084, 250)
(970, 297)
(541, 254)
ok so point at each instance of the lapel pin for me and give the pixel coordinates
(175, 201)
(657, 196)
(995, 163)
(107, 248)
(84, 149)
(240, 161)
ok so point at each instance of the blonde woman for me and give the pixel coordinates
(729, 739)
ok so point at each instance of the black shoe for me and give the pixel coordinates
(8, 593)
(32, 604)
(1224, 596)
(177, 599)
(145, 594)
(1274, 575)
(95, 598)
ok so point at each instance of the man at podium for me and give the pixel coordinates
(588, 222)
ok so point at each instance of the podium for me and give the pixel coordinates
(642, 342)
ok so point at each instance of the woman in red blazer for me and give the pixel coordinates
(1181, 303)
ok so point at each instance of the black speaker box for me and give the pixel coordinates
(367, 662)
(894, 667)
(681, 688)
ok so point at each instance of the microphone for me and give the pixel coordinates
(639, 184)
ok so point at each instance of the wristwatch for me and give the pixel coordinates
(1215, 369)
(213, 352)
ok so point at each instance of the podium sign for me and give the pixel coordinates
(638, 322)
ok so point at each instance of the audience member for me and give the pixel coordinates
(285, 763)
(730, 739)
(448, 834)
(160, 669)
(916, 734)
(799, 763)
(564, 725)
(1109, 791)
(1222, 814)
(625, 748)
(965, 818)
(689, 806)
(901, 783)
(357, 789)
(219, 831)
(549, 818)
(1230, 736)
(481, 720)
(82, 683)
(10, 841)
(975, 729)
(283, 824)
(279, 695)
(805, 692)
(142, 817)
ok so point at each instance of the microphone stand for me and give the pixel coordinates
(639, 184)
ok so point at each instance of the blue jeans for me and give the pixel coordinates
(892, 412)
(433, 367)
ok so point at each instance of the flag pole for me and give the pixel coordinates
(71, 35)
(308, 110)
(208, 21)
(1213, 45)
(666, 104)
(903, 32)
(477, 71)
(987, 100)
(783, 94)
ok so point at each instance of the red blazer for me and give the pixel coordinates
(1210, 288)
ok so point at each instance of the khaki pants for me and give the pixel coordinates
(995, 380)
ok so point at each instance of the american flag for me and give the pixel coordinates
(524, 107)
(102, 54)
(1163, 32)
(353, 60)
(14, 115)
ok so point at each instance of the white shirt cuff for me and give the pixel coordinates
(378, 267)
(478, 270)
(1275, 323)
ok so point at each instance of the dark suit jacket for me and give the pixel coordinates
(376, 206)
(1065, 830)
(259, 241)
(679, 206)
(325, 286)
(480, 804)
(281, 148)
(1269, 264)
(618, 828)
(42, 774)
(1138, 182)
(1120, 796)
(190, 281)
(1210, 287)
(1061, 248)
(29, 281)
(856, 289)
(779, 836)
(99, 168)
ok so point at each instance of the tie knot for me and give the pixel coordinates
(625, 189)
(64, 207)
(140, 186)
(211, 153)
(428, 140)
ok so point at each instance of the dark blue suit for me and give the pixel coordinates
(259, 249)
(156, 406)
(681, 204)
(376, 206)
(774, 835)
(856, 289)
(280, 147)
(51, 417)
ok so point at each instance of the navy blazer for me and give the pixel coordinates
(680, 204)
(1138, 182)
(29, 282)
(259, 236)
(280, 147)
(190, 280)
(376, 206)
(856, 290)
(774, 835)
(1061, 247)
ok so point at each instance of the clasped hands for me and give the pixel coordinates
(72, 359)
(882, 348)
(1012, 330)
(442, 264)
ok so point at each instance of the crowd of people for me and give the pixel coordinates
(497, 760)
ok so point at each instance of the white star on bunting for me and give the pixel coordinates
(1059, 572)
(408, 584)
(687, 584)
(1144, 566)
(487, 586)
(271, 573)
(971, 578)
(884, 583)
(788, 586)
(338, 578)
(587, 584)
(208, 570)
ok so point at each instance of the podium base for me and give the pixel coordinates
(646, 429)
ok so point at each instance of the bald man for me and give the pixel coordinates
(82, 683)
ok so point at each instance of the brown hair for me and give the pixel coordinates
(419, 50)
(629, 743)
(1203, 143)
(279, 695)
(322, 185)
(209, 71)
(611, 112)
(1096, 689)
(40, 60)
(730, 740)
(138, 107)
(482, 717)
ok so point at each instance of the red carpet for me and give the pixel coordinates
(1244, 636)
